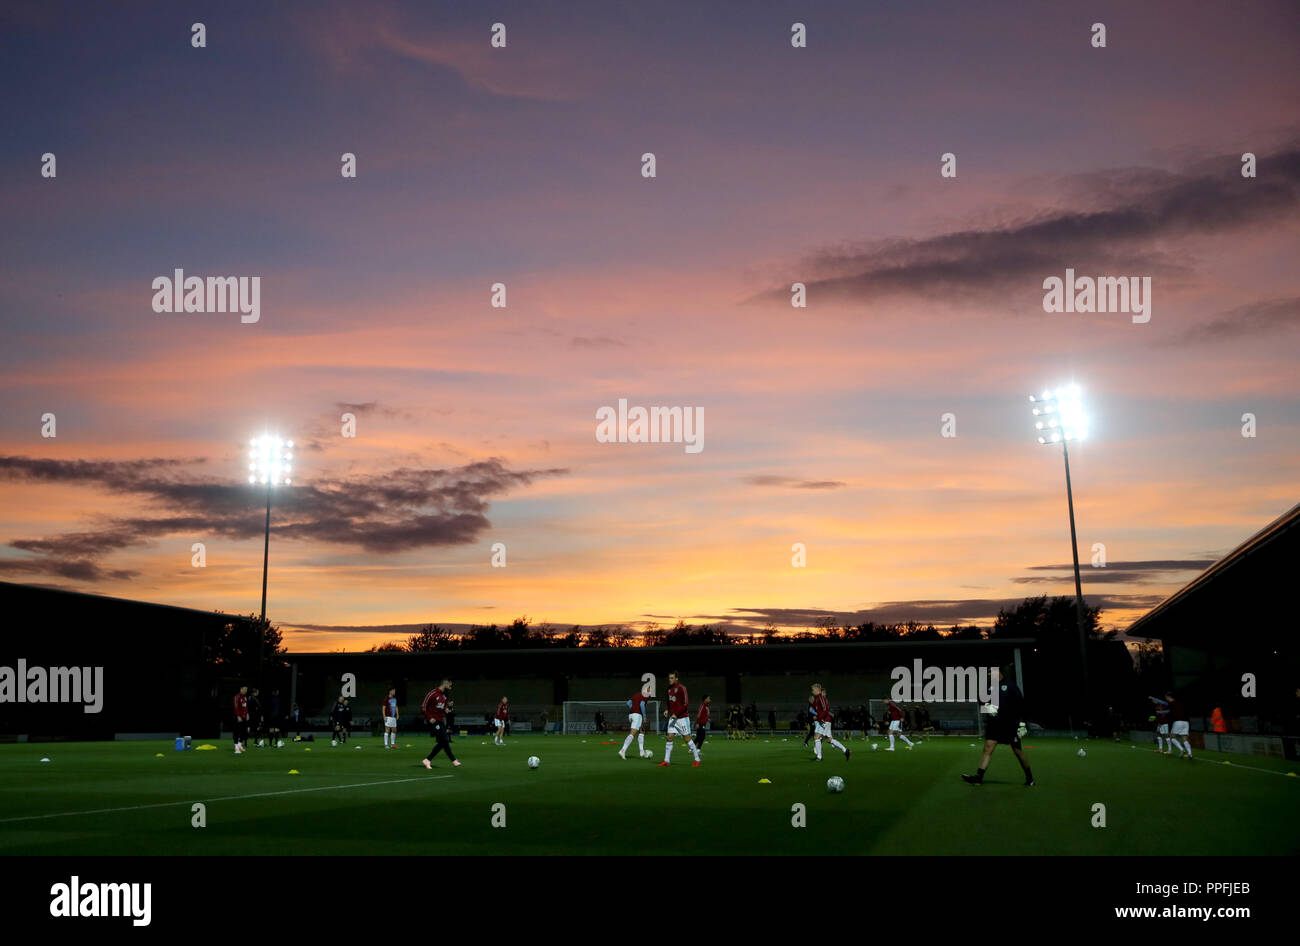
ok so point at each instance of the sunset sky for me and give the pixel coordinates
(522, 165)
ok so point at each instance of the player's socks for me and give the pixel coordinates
(817, 748)
(694, 750)
(838, 745)
(891, 741)
(906, 740)
(626, 742)
(640, 742)
(668, 753)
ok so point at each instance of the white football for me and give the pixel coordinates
(1082, 753)
(534, 762)
(835, 784)
(647, 754)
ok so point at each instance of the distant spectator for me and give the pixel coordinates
(295, 721)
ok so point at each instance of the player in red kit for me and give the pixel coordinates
(679, 719)
(702, 720)
(635, 724)
(435, 707)
(821, 709)
(241, 719)
(895, 725)
(502, 717)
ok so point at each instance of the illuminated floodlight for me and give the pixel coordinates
(1061, 413)
(268, 460)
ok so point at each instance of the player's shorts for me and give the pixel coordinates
(823, 730)
(634, 720)
(1163, 729)
(1180, 727)
(500, 723)
(681, 725)
(390, 722)
(1003, 734)
(895, 725)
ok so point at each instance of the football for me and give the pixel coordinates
(647, 754)
(835, 784)
(534, 762)
(1082, 754)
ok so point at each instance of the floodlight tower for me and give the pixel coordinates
(268, 464)
(1060, 419)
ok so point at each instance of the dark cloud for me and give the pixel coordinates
(940, 612)
(1256, 318)
(1116, 572)
(793, 483)
(395, 511)
(73, 569)
(1128, 210)
(599, 341)
(370, 408)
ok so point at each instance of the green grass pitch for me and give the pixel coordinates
(121, 798)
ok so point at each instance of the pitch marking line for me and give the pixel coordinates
(1238, 765)
(172, 804)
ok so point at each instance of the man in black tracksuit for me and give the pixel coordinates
(435, 708)
(336, 720)
(1005, 728)
(255, 716)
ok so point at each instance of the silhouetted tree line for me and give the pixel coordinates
(245, 648)
(1049, 622)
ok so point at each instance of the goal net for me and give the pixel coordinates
(605, 716)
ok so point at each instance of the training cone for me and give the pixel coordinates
(158, 755)
(45, 760)
(294, 772)
(765, 781)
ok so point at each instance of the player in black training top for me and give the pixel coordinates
(255, 720)
(1005, 728)
(812, 722)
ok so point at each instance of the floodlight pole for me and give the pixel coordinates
(1078, 583)
(266, 558)
(266, 547)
